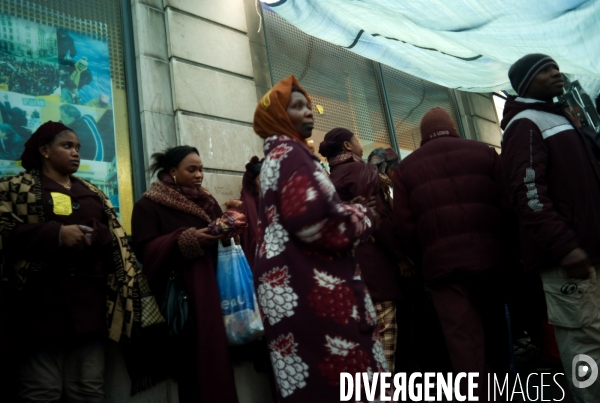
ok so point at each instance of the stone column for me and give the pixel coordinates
(479, 118)
(158, 130)
(213, 87)
(154, 78)
(202, 66)
(219, 69)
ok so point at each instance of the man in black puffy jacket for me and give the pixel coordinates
(554, 183)
(448, 210)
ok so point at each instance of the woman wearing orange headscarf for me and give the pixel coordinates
(319, 317)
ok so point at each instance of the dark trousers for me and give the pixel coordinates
(472, 315)
(421, 344)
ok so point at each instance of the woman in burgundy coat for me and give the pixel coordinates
(170, 234)
(381, 259)
(318, 315)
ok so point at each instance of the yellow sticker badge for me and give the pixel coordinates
(61, 203)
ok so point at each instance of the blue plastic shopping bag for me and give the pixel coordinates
(238, 301)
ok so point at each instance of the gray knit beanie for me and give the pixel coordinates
(522, 72)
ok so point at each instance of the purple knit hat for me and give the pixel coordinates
(31, 159)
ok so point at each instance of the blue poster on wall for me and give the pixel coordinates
(49, 73)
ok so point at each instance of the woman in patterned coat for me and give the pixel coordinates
(319, 318)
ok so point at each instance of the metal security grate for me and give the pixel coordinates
(410, 98)
(340, 81)
(98, 19)
(345, 85)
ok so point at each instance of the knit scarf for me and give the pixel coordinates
(343, 157)
(167, 196)
(21, 202)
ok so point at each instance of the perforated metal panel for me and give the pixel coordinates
(410, 98)
(344, 83)
(98, 19)
(340, 81)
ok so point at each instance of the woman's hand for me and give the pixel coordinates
(371, 204)
(406, 268)
(376, 217)
(573, 116)
(205, 238)
(358, 200)
(73, 236)
(577, 264)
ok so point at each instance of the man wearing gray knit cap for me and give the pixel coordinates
(554, 184)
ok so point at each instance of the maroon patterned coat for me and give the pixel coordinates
(318, 315)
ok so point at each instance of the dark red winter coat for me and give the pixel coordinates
(161, 244)
(67, 297)
(448, 207)
(379, 256)
(553, 181)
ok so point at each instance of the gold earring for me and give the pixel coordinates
(46, 156)
(175, 178)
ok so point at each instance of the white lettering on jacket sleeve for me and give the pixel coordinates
(532, 193)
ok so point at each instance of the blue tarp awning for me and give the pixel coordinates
(463, 44)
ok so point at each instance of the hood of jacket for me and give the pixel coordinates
(515, 105)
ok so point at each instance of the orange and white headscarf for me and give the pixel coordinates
(270, 116)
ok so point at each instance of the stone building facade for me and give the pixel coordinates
(201, 67)
(191, 72)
